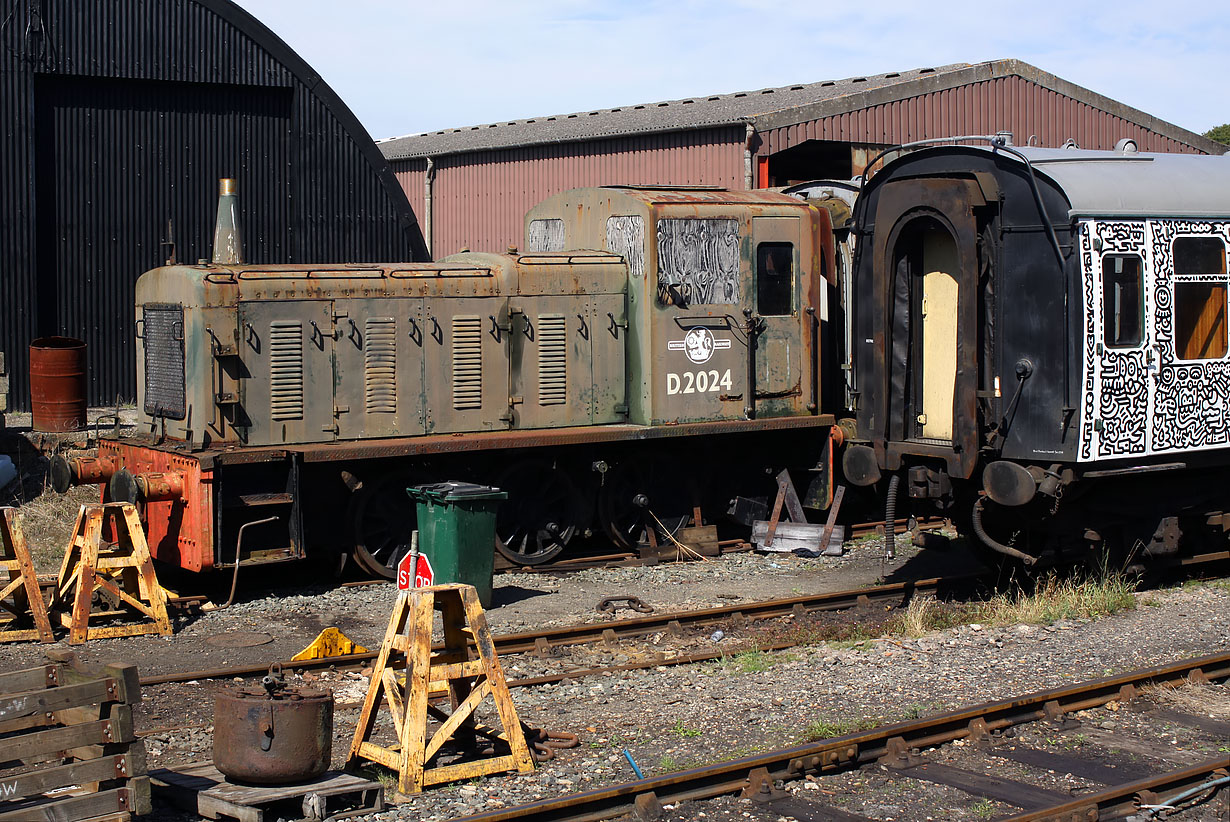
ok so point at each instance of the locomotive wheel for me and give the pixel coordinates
(540, 515)
(648, 491)
(382, 518)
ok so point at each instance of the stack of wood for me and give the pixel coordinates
(69, 750)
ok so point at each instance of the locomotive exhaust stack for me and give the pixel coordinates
(228, 241)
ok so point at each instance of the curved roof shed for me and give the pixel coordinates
(121, 116)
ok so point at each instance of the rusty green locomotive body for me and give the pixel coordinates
(648, 352)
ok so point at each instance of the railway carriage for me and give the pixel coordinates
(1041, 346)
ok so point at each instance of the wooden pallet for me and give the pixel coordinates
(69, 750)
(201, 789)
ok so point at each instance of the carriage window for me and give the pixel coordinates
(1200, 306)
(1199, 320)
(1199, 255)
(1122, 308)
(774, 279)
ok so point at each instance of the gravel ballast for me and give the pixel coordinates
(674, 717)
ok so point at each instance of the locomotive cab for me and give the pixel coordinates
(726, 291)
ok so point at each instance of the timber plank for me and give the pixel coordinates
(116, 729)
(14, 706)
(117, 800)
(105, 768)
(30, 679)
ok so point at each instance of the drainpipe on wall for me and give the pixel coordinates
(748, 178)
(428, 179)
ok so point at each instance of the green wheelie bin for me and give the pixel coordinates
(456, 522)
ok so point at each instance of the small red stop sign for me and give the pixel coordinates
(418, 577)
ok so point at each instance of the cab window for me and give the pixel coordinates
(774, 279)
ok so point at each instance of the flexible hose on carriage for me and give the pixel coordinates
(890, 518)
(976, 522)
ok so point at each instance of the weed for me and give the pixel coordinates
(918, 711)
(1054, 599)
(983, 809)
(1076, 741)
(668, 764)
(751, 662)
(819, 729)
(685, 732)
(924, 615)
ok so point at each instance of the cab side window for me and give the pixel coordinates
(774, 279)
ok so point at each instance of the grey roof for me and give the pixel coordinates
(1119, 184)
(764, 108)
(670, 115)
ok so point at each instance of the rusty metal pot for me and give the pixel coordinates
(273, 736)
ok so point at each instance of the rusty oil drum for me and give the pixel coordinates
(57, 384)
(275, 735)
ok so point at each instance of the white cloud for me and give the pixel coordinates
(405, 67)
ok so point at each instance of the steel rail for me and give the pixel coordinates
(542, 641)
(1152, 790)
(829, 755)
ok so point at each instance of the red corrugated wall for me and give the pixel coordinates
(479, 199)
(1002, 104)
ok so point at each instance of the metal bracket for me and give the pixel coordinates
(761, 787)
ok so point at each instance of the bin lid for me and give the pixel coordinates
(454, 491)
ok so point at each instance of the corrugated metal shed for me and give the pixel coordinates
(484, 178)
(121, 115)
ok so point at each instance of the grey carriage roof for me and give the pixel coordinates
(1127, 184)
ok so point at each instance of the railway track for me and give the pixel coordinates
(898, 746)
(543, 641)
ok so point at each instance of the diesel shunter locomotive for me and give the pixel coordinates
(634, 386)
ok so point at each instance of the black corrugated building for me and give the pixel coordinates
(119, 115)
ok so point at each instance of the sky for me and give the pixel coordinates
(412, 66)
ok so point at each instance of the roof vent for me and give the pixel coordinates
(1126, 145)
(828, 83)
(891, 76)
(858, 80)
(926, 71)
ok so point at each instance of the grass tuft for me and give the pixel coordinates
(822, 728)
(1054, 599)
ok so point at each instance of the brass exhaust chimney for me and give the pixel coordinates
(228, 242)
